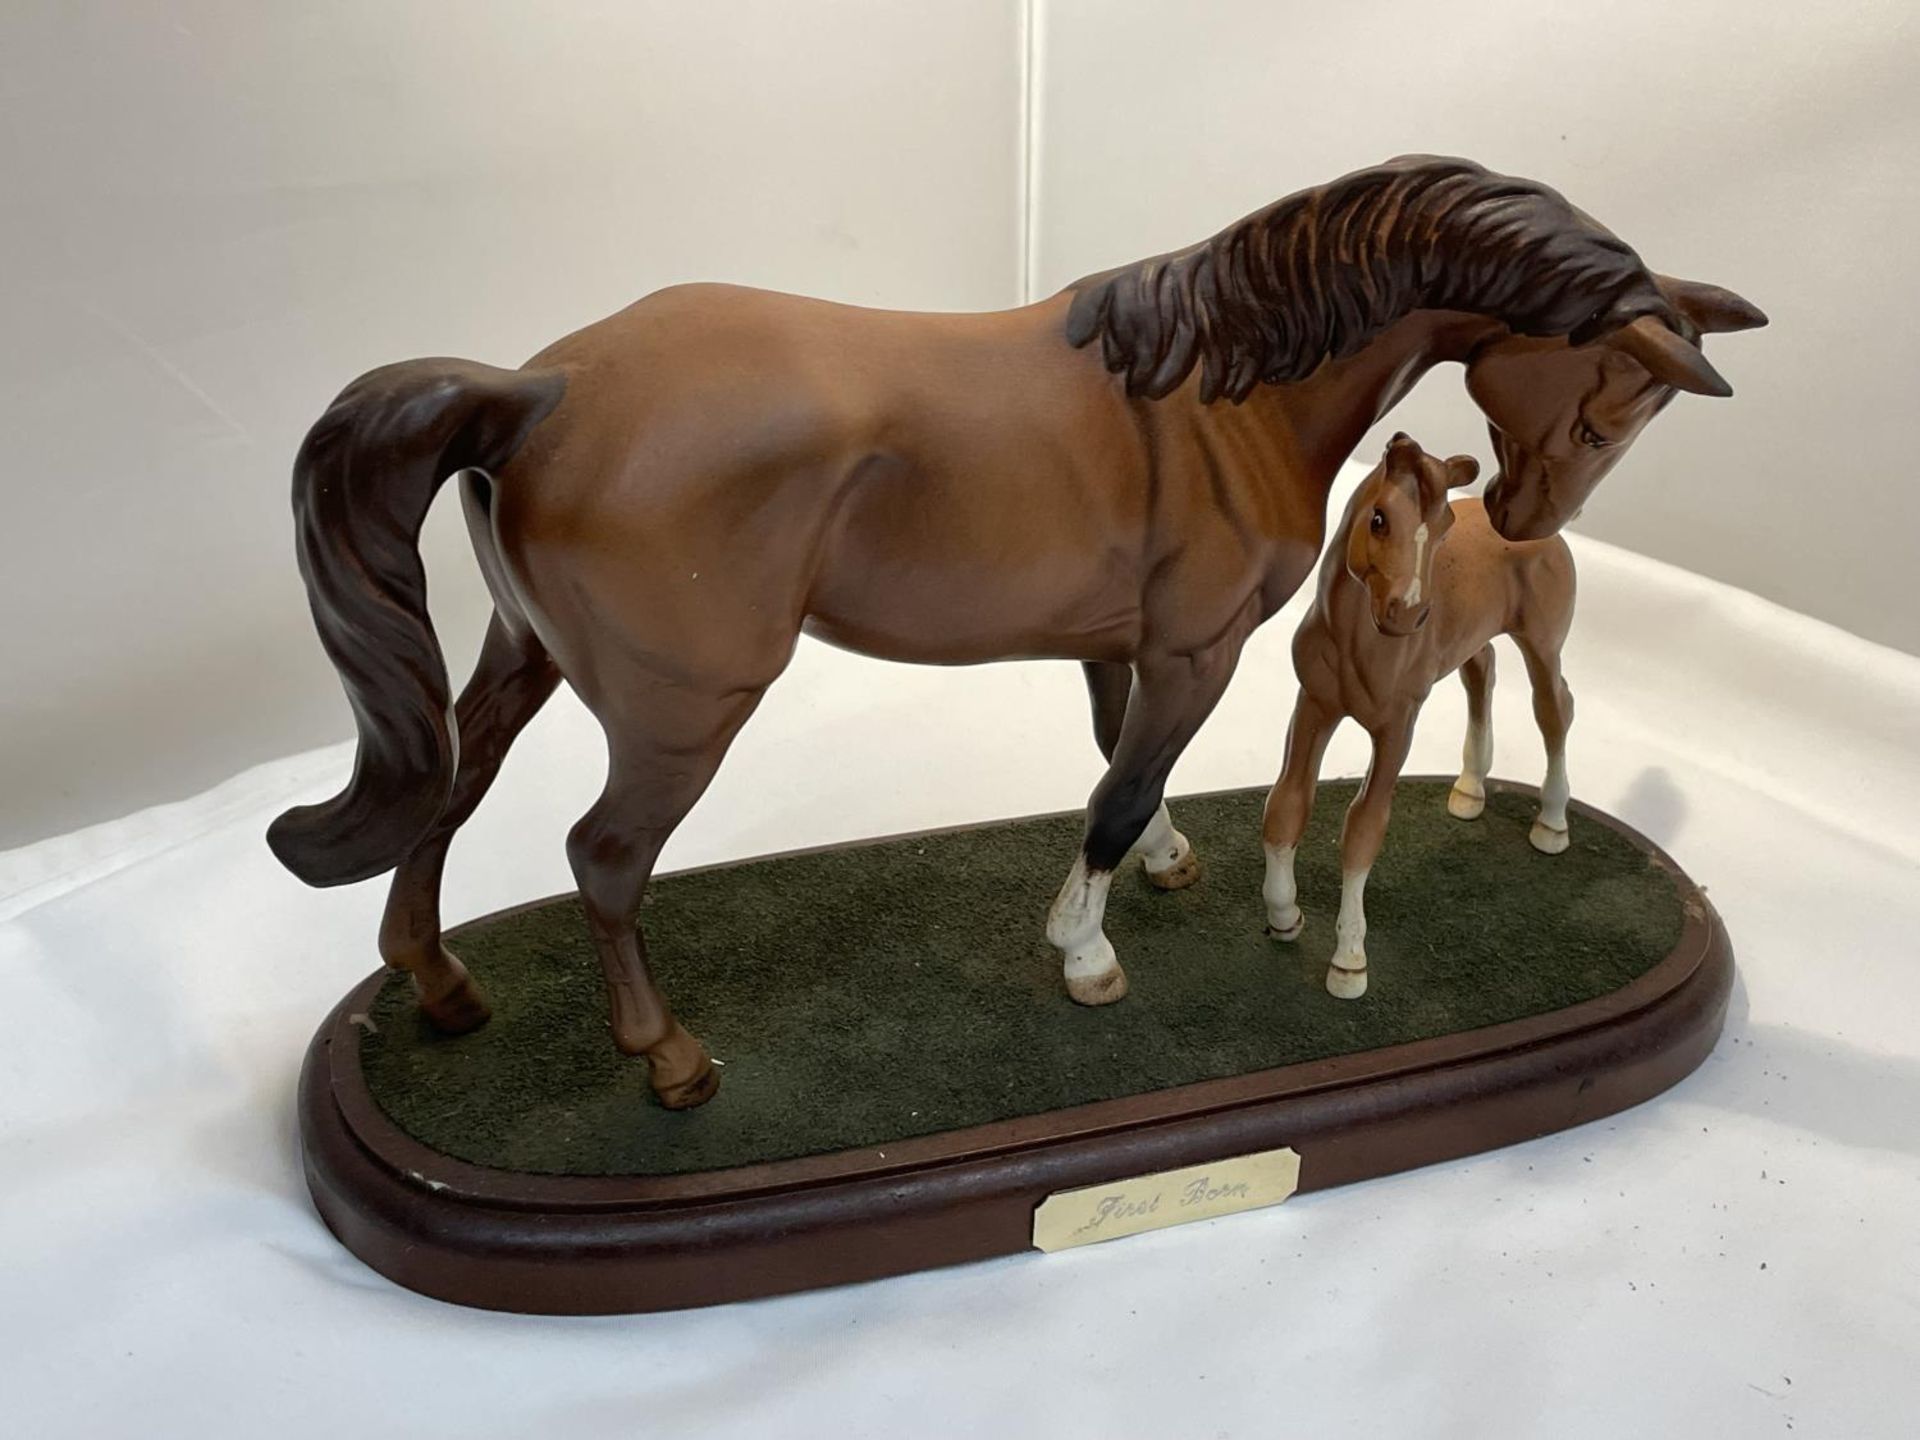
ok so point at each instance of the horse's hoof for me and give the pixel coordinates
(1177, 876)
(1546, 839)
(457, 1006)
(1102, 989)
(1464, 804)
(693, 1094)
(1287, 934)
(682, 1073)
(1346, 984)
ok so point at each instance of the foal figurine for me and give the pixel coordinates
(1396, 610)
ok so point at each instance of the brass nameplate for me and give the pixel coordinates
(1173, 1197)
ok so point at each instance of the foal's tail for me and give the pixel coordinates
(361, 487)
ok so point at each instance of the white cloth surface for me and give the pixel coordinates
(1739, 1257)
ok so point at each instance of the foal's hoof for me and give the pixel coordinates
(1464, 804)
(455, 1005)
(1346, 984)
(1546, 839)
(683, 1075)
(1101, 989)
(1289, 932)
(1177, 876)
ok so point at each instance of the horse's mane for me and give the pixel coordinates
(1320, 273)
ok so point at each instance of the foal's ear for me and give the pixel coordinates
(1713, 309)
(1462, 470)
(1669, 356)
(1403, 447)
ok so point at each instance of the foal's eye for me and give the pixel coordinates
(1592, 438)
(1379, 522)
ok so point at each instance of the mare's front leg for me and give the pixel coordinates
(1360, 839)
(1289, 807)
(1172, 696)
(1166, 854)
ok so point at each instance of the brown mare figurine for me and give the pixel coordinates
(664, 501)
(1400, 606)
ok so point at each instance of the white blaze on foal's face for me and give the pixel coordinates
(1391, 546)
(1419, 563)
(1400, 517)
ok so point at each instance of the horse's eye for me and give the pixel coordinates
(1592, 438)
(1379, 522)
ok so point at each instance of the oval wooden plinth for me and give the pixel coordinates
(563, 1244)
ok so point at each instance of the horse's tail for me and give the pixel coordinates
(362, 483)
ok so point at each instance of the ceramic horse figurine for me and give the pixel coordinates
(1132, 474)
(1399, 606)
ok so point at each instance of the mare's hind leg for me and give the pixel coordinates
(1468, 798)
(1172, 697)
(1166, 854)
(1553, 710)
(658, 766)
(511, 681)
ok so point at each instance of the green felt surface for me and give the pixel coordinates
(864, 995)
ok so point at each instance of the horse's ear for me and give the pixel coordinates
(1713, 309)
(1404, 448)
(1462, 470)
(1669, 357)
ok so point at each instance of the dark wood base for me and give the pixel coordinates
(575, 1245)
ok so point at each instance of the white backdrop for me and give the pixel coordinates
(1774, 149)
(212, 216)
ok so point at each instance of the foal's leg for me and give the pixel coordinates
(657, 768)
(1360, 838)
(1166, 853)
(1289, 807)
(1173, 695)
(1553, 710)
(1469, 794)
(511, 681)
